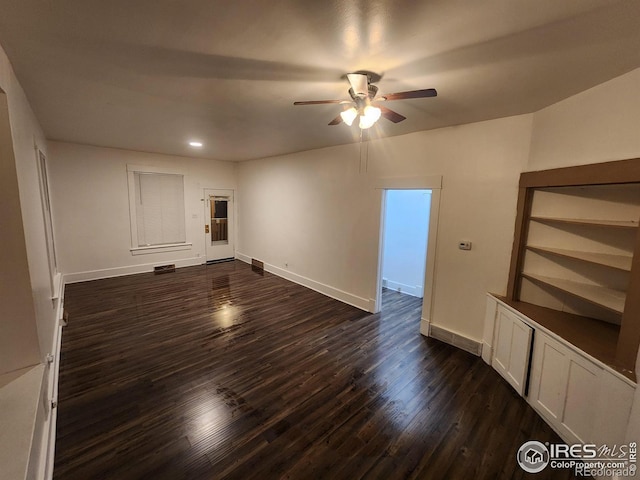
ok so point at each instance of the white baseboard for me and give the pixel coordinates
(453, 338)
(372, 306)
(487, 353)
(412, 290)
(243, 258)
(329, 291)
(128, 270)
(424, 326)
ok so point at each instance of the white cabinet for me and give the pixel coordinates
(512, 348)
(582, 399)
(564, 387)
(549, 378)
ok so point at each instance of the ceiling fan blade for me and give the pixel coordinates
(317, 102)
(360, 84)
(336, 121)
(389, 114)
(427, 92)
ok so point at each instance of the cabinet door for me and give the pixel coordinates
(549, 378)
(512, 348)
(580, 408)
(564, 389)
(613, 411)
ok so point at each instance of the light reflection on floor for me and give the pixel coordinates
(226, 315)
(206, 418)
(399, 400)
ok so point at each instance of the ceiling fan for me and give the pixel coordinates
(363, 95)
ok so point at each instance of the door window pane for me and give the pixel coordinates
(220, 210)
(219, 225)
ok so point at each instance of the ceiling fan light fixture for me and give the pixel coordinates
(349, 115)
(365, 122)
(370, 115)
(362, 94)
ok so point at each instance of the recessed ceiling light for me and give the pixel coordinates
(195, 144)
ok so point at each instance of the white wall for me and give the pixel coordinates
(18, 333)
(91, 208)
(28, 324)
(25, 133)
(304, 213)
(327, 220)
(598, 125)
(406, 227)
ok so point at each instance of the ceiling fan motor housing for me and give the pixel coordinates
(359, 84)
(371, 93)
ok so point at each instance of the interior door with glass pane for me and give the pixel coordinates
(219, 227)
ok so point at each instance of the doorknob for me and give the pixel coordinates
(206, 229)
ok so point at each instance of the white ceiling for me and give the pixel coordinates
(152, 74)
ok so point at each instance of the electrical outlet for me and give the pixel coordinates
(464, 245)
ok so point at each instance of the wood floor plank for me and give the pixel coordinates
(224, 372)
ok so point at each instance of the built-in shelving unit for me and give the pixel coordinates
(596, 294)
(620, 262)
(590, 222)
(566, 248)
(577, 248)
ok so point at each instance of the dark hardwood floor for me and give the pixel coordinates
(220, 371)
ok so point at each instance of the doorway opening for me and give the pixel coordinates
(405, 235)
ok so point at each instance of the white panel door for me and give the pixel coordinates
(581, 401)
(565, 389)
(219, 225)
(512, 348)
(549, 378)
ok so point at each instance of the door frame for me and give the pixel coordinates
(433, 183)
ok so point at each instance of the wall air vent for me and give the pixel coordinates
(257, 264)
(164, 269)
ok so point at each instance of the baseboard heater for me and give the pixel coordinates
(222, 260)
(164, 269)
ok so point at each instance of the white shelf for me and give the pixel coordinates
(596, 223)
(20, 397)
(620, 262)
(602, 296)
